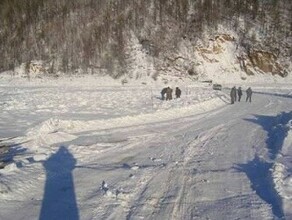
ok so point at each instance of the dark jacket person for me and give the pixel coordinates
(239, 93)
(177, 92)
(169, 93)
(233, 95)
(248, 94)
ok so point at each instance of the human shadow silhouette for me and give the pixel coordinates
(59, 201)
(258, 170)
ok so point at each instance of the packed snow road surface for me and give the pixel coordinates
(194, 158)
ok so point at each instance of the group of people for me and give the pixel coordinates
(234, 93)
(166, 93)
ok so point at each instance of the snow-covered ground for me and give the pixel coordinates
(96, 149)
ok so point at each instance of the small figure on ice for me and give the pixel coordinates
(233, 94)
(248, 94)
(104, 186)
(239, 93)
(168, 93)
(177, 92)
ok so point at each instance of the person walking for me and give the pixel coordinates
(233, 95)
(248, 94)
(177, 92)
(239, 93)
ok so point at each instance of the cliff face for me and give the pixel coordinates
(154, 37)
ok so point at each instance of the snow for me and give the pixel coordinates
(93, 148)
(282, 171)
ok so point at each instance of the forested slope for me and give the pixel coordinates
(108, 37)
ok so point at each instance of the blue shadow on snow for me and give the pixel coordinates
(59, 201)
(258, 170)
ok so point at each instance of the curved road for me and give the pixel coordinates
(211, 166)
(215, 165)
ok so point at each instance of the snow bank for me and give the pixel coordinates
(96, 101)
(281, 172)
(74, 126)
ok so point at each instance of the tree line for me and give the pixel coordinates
(93, 34)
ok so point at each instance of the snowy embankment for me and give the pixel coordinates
(282, 170)
(73, 126)
(47, 112)
(96, 151)
(49, 106)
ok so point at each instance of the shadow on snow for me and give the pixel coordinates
(258, 170)
(8, 152)
(59, 201)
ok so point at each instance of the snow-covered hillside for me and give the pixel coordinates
(218, 57)
(91, 148)
(112, 37)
